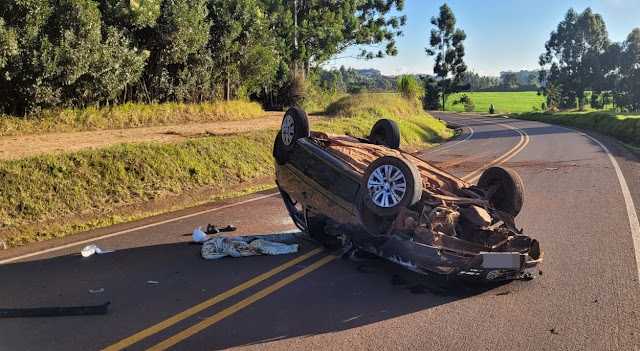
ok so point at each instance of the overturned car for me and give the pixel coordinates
(366, 193)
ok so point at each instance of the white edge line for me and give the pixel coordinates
(452, 145)
(631, 209)
(8, 260)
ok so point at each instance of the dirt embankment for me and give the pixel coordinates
(16, 147)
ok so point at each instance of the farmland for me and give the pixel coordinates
(503, 102)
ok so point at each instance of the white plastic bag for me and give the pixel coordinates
(199, 236)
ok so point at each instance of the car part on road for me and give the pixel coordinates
(221, 246)
(348, 192)
(385, 132)
(54, 311)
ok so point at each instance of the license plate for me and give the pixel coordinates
(504, 260)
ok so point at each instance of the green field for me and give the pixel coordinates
(503, 102)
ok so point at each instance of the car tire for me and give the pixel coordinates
(385, 132)
(509, 196)
(279, 153)
(389, 184)
(295, 125)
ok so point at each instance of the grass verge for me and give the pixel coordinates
(620, 127)
(50, 196)
(128, 116)
(356, 114)
(55, 189)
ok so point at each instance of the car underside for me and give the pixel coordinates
(351, 193)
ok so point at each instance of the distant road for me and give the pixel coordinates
(588, 297)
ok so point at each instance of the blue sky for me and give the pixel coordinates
(501, 35)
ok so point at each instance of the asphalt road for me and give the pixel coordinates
(587, 297)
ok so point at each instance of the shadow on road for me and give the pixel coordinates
(341, 295)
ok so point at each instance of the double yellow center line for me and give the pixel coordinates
(471, 177)
(227, 294)
(524, 141)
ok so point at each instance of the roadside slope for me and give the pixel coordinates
(20, 146)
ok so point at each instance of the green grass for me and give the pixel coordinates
(49, 187)
(624, 128)
(82, 190)
(128, 116)
(503, 102)
(356, 114)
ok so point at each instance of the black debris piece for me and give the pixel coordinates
(54, 311)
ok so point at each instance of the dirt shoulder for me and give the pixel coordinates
(21, 146)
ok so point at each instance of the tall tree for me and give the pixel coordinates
(446, 45)
(630, 70)
(511, 80)
(571, 59)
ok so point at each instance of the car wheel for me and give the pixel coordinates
(295, 125)
(385, 132)
(389, 184)
(507, 193)
(295, 210)
(279, 153)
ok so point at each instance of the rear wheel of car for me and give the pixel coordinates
(295, 125)
(507, 193)
(385, 132)
(389, 184)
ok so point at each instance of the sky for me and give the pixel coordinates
(502, 35)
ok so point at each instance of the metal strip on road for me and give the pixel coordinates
(204, 305)
(238, 306)
(17, 258)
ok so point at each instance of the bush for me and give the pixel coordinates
(409, 88)
(468, 104)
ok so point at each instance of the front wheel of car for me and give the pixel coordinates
(505, 189)
(385, 132)
(389, 184)
(295, 125)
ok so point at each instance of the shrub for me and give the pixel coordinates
(409, 88)
(468, 104)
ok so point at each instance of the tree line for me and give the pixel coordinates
(579, 57)
(76, 53)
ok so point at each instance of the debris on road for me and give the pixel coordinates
(199, 236)
(96, 291)
(54, 311)
(153, 282)
(552, 168)
(221, 245)
(212, 229)
(91, 249)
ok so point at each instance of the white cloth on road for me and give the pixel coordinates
(221, 245)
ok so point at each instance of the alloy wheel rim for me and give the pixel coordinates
(288, 130)
(387, 186)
